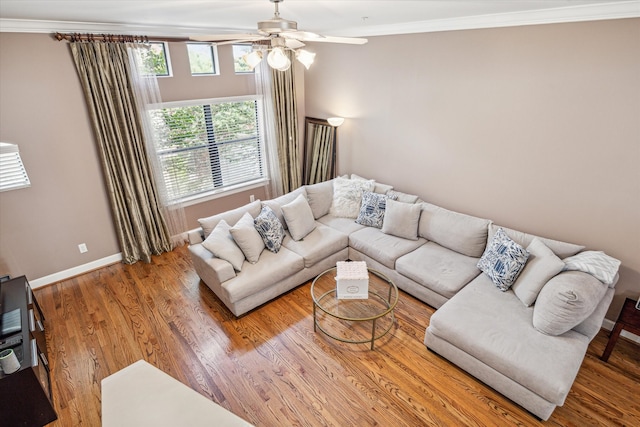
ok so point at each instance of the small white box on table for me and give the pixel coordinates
(352, 280)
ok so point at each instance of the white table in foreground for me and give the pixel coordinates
(142, 395)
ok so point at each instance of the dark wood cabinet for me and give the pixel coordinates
(25, 395)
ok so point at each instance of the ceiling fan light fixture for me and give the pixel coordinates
(278, 60)
(253, 58)
(305, 57)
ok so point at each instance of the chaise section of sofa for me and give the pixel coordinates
(528, 349)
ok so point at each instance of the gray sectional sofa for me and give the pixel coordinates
(520, 324)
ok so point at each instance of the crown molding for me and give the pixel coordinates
(590, 12)
(581, 13)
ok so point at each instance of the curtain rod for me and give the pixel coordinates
(115, 38)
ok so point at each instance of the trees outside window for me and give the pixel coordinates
(202, 59)
(207, 147)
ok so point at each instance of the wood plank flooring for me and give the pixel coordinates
(271, 369)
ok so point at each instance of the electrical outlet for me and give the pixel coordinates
(83, 248)
(252, 198)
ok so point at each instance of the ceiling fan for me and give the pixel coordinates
(279, 34)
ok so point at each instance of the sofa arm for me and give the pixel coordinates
(213, 271)
(195, 236)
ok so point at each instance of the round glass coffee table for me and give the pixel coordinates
(355, 321)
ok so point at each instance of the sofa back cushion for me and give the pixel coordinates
(378, 187)
(561, 249)
(459, 232)
(230, 217)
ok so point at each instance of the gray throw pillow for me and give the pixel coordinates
(541, 266)
(401, 219)
(247, 238)
(299, 218)
(319, 197)
(221, 244)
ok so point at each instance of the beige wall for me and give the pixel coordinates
(536, 128)
(42, 109)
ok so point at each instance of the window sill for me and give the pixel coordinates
(217, 194)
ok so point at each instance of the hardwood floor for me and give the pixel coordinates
(271, 369)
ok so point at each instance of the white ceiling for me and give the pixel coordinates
(336, 18)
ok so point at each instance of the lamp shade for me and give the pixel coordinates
(253, 58)
(305, 57)
(335, 121)
(278, 59)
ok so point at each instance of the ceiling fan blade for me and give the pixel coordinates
(344, 40)
(300, 35)
(293, 43)
(226, 37)
(240, 41)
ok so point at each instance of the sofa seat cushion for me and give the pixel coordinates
(318, 245)
(496, 328)
(270, 269)
(440, 269)
(384, 248)
(346, 225)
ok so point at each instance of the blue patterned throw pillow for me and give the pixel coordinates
(270, 229)
(372, 209)
(503, 260)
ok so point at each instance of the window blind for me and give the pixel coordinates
(13, 175)
(208, 146)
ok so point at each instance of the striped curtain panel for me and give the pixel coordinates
(286, 126)
(104, 72)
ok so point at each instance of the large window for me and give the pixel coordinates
(209, 146)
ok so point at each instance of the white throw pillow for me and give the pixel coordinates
(347, 196)
(541, 266)
(221, 244)
(401, 219)
(247, 238)
(299, 218)
(597, 263)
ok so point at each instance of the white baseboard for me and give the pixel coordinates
(608, 325)
(75, 271)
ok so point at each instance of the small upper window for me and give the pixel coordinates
(239, 50)
(203, 59)
(155, 59)
(13, 175)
